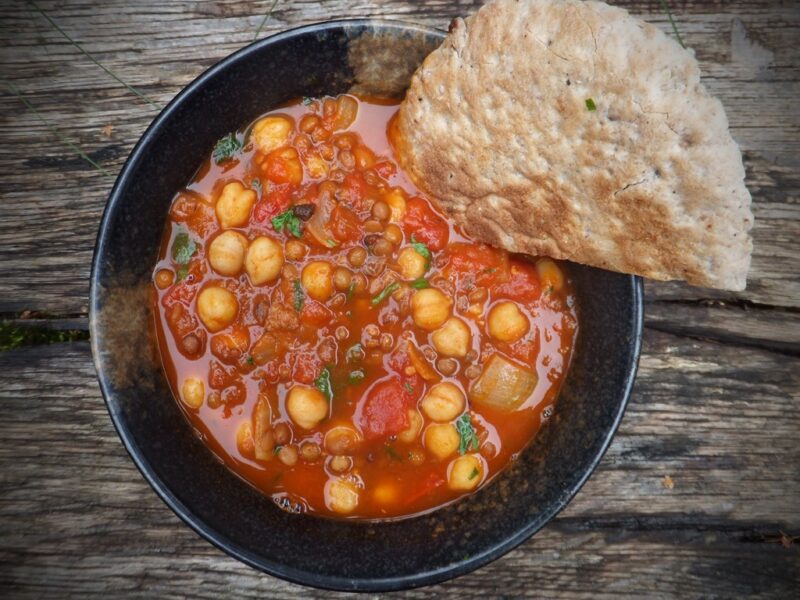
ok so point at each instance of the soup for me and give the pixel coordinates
(333, 338)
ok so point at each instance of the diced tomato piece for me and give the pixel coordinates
(524, 351)
(354, 189)
(344, 224)
(277, 200)
(522, 285)
(315, 313)
(385, 168)
(400, 361)
(218, 376)
(430, 483)
(284, 166)
(384, 410)
(425, 224)
(483, 264)
(181, 293)
(307, 367)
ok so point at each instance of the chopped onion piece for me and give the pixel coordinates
(503, 384)
(263, 437)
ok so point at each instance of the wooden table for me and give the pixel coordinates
(699, 494)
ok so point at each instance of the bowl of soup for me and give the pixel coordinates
(313, 366)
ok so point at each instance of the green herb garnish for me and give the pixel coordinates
(289, 220)
(356, 376)
(256, 185)
(420, 284)
(250, 360)
(474, 474)
(387, 291)
(350, 290)
(299, 296)
(392, 452)
(591, 105)
(323, 383)
(331, 243)
(278, 449)
(409, 388)
(423, 250)
(549, 290)
(307, 100)
(467, 433)
(226, 148)
(181, 273)
(183, 247)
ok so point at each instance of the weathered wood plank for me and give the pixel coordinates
(52, 201)
(76, 518)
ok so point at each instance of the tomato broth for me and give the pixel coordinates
(334, 338)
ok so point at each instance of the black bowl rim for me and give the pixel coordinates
(217, 538)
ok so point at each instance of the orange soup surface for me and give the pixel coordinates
(333, 338)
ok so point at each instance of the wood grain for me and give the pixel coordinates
(78, 518)
(716, 405)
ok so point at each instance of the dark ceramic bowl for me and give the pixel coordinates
(365, 56)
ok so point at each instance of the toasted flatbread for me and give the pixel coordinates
(574, 130)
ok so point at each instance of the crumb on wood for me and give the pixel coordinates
(108, 130)
(668, 482)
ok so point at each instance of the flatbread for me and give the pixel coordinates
(497, 125)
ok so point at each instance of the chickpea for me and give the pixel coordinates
(430, 308)
(306, 406)
(357, 256)
(264, 260)
(443, 402)
(316, 278)
(453, 338)
(506, 322)
(550, 275)
(361, 283)
(164, 278)
(342, 440)
(342, 277)
(441, 440)
(226, 253)
(308, 123)
(381, 211)
(341, 496)
(271, 133)
(373, 226)
(412, 264)
(295, 250)
(244, 439)
(393, 234)
(284, 166)
(340, 464)
(316, 167)
(288, 455)
(282, 433)
(216, 307)
(193, 392)
(310, 451)
(411, 433)
(465, 473)
(382, 247)
(234, 205)
(396, 199)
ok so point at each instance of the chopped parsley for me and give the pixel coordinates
(290, 221)
(181, 272)
(323, 383)
(350, 290)
(409, 388)
(278, 449)
(331, 243)
(299, 296)
(467, 433)
(392, 452)
(421, 283)
(250, 360)
(422, 250)
(387, 291)
(225, 148)
(548, 290)
(307, 100)
(474, 474)
(590, 105)
(356, 377)
(183, 247)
